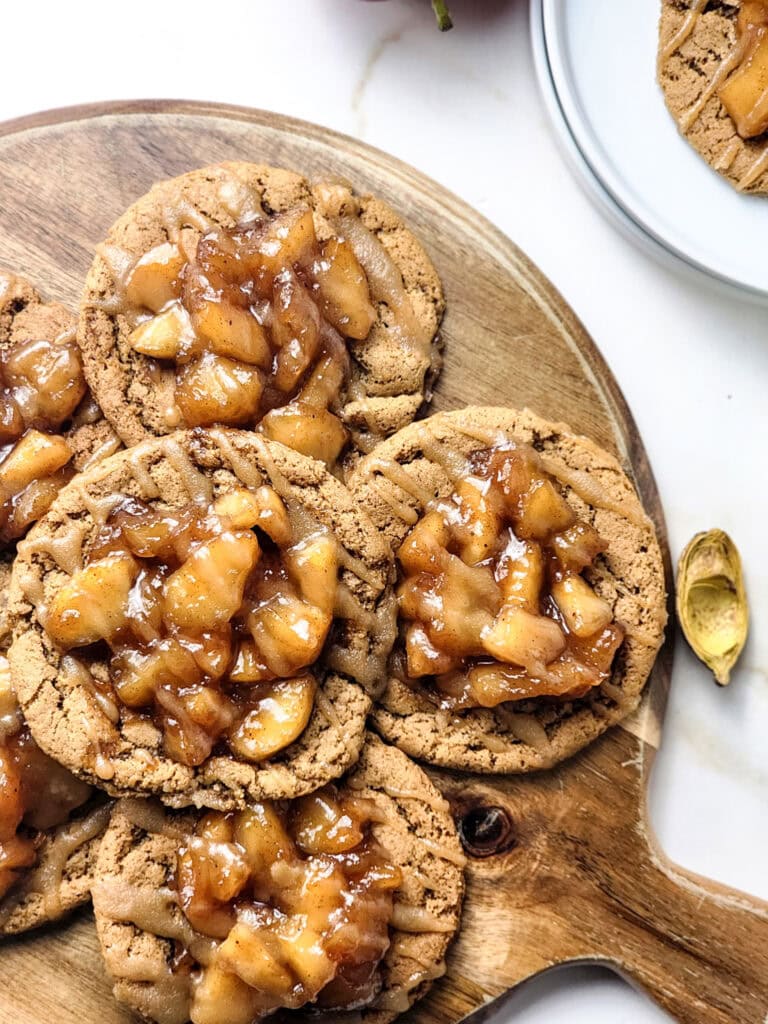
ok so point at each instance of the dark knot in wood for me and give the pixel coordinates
(486, 831)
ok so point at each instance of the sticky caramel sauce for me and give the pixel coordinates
(212, 616)
(41, 386)
(298, 898)
(493, 604)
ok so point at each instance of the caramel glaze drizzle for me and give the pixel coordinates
(726, 66)
(524, 727)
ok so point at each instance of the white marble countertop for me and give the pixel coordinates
(463, 107)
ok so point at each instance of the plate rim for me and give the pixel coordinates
(572, 136)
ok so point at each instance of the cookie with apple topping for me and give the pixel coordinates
(345, 899)
(713, 68)
(245, 296)
(530, 589)
(49, 425)
(202, 618)
(50, 827)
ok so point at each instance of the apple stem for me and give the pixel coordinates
(441, 13)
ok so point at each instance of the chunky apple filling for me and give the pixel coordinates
(254, 323)
(36, 793)
(41, 385)
(298, 897)
(492, 595)
(745, 92)
(214, 617)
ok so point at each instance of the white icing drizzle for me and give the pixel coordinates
(402, 510)
(686, 27)
(447, 853)
(591, 491)
(103, 451)
(65, 549)
(524, 727)
(198, 486)
(398, 1000)
(754, 170)
(141, 474)
(151, 817)
(74, 674)
(407, 918)
(153, 910)
(245, 469)
(66, 842)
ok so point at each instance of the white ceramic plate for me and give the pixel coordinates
(596, 62)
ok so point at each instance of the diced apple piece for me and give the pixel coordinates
(166, 335)
(220, 997)
(478, 533)
(578, 546)
(423, 549)
(422, 657)
(232, 332)
(285, 240)
(255, 957)
(154, 281)
(289, 633)
(33, 502)
(584, 611)
(11, 420)
(303, 951)
(214, 389)
(543, 511)
(325, 381)
(207, 590)
(745, 92)
(49, 379)
(259, 830)
(520, 574)
(93, 604)
(491, 685)
(520, 638)
(249, 666)
(275, 720)
(212, 652)
(217, 827)
(35, 455)
(137, 676)
(261, 507)
(344, 294)
(322, 824)
(307, 429)
(469, 598)
(295, 330)
(210, 709)
(313, 565)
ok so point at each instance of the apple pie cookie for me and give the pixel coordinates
(242, 295)
(49, 425)
(345, 899)
(530, 589)
(713, 69)
(202, 618)
(50, 826)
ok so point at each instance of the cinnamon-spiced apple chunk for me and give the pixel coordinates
(531, 600)
(345, 899)
(241, 295)
(209, 614)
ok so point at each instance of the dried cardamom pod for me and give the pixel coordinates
(711, 601)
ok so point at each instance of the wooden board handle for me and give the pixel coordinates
(699, 949)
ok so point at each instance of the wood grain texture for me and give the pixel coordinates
(583, 879)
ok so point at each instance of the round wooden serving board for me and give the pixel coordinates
(569, 871)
